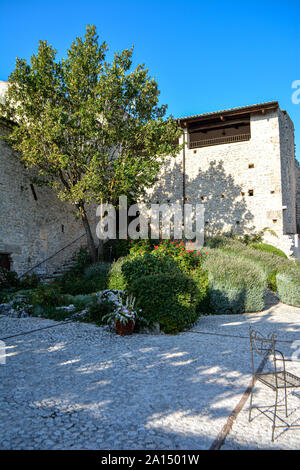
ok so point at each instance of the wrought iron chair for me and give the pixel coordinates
(277, 379)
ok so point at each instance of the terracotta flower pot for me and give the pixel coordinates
(124, 328)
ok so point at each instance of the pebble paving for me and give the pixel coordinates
(78, 386)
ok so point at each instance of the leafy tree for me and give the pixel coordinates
(92, 129)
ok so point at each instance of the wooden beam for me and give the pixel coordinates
(202, 127)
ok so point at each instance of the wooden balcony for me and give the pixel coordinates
(219, 140)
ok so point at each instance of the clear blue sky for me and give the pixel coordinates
(205, 55)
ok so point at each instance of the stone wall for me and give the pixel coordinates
(298, 196)
(34, 223)
(288, 173)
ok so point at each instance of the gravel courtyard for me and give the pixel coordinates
(77, 386)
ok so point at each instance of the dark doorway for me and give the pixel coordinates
(5, 261)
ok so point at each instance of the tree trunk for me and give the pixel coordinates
(89, 236)
(101, 250)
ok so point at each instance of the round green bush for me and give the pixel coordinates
(146, 264)
(288, 287)
(169, 299)
(236, 285)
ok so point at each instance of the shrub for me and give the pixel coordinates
(268, 262)
(288, 287)
(235, 285)
(169, 299)
(96, 270)
(116, 278)
(268, 248)
(80, 302)
(186, 259)
(83, 260)
(146, 264)
(8, 279)
(200, 278)
(47, 294)
(78, 286)
(98, 311)
(30, 281)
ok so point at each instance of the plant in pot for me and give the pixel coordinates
(124, 316)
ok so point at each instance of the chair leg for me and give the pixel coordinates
(274, 420)
(286, 405)
(251, 399)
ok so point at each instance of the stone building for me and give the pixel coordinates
(240, 163)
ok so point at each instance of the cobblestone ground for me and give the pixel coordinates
(77, 386)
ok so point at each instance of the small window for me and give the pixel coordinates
(272, 192)
(195, 151)
(274, 221)
(203, 198)
(251, 192)
(251, 165)
(237, 222)
(242, 193)
(63, 228)
(222, 196)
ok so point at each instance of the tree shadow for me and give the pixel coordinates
(226, 210)
(78, 386)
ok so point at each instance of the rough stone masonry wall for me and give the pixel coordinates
(298, 196)
(288, 173)
(32, 230)
(223, 176)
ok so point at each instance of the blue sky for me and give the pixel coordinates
(205, 55)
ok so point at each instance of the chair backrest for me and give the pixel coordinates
(264, 346)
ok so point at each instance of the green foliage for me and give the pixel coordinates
(83, 260)
(236, 285)
(30, 281)
(8, 279)
(47, 294)
(96, 270)
(146, 264)
(186, 259)
(288, 287)
(116, 279)
(78, 285)
(200, 278)
(268, 248)
(256, 237)
(169, 299)
(269, 262)
(94, 130)
(141, 246)
(98, 311)
(80, 301)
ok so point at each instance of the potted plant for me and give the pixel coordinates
(124, 316)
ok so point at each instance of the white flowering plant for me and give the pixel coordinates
(125, 311)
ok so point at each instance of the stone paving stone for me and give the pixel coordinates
(80, 386)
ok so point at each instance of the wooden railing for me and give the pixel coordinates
(219, 140)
